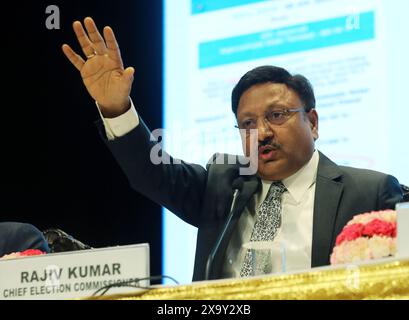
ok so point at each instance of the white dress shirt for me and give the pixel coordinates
(295, 233)
(120, 126)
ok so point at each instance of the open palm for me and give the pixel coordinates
(103, 71)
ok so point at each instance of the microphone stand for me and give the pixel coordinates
(237, 185)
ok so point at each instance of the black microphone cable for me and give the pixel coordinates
(103, 290)
(237, 187)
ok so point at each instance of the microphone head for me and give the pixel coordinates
(237, 184)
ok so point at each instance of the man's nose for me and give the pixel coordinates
(264, 130)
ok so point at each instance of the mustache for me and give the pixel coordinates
(270, 143)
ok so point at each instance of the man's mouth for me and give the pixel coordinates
(267, 152)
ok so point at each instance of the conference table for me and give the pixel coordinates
(381, 279)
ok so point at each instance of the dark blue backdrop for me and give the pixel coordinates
(55, 170)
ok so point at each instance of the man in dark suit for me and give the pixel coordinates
(18, 237)
(297, 196)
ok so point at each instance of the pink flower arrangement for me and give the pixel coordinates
(26, 253)
(367, 236)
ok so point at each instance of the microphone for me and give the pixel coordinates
(237, 186)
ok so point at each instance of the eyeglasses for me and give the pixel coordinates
(273, 118)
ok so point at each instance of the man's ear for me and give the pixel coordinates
(313, 118)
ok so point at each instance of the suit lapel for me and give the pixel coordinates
(250, 187)
(328, 192)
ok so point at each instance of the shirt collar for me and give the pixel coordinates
(298, 183)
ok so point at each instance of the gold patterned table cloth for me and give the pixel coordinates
(385, 279)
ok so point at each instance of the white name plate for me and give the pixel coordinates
(402, 211)
(74, 274)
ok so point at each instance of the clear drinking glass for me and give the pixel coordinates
(266, 257)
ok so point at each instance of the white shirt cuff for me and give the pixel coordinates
(121, 125)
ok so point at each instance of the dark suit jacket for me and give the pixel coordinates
(203, 197)
(17, 237)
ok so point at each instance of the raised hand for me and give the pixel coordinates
(102, 70)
